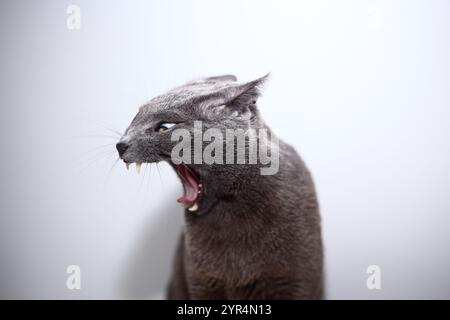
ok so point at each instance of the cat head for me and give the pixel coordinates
(218, 102)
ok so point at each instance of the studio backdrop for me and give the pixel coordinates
(359, 88)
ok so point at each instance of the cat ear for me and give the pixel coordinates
(226, 77)
(214, 80)
(245, 95)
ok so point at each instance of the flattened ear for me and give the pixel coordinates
(226, 77)
(214, 80)
(246, 94)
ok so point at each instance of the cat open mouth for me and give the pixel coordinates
(191, 181)
(192, 187)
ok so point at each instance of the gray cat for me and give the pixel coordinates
(247, 235)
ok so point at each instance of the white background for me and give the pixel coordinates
(360, 88)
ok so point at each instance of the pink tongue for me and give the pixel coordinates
(190, 185)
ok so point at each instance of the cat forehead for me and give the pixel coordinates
(186, 93)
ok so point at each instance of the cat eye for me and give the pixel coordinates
(165, 126)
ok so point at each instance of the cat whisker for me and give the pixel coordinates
(159, 174)
(95, 136)
(108, 175)
(95, 159)
(115, 132)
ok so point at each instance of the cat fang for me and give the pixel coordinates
(191, 184)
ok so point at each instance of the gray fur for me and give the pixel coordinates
(255, 236)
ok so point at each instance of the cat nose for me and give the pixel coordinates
(122, 147)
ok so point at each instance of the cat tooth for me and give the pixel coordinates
(127, 165)
(194, 207)
(138, 167)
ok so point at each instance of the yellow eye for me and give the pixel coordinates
(165, 126)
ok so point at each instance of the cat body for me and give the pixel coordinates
(247, 235)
